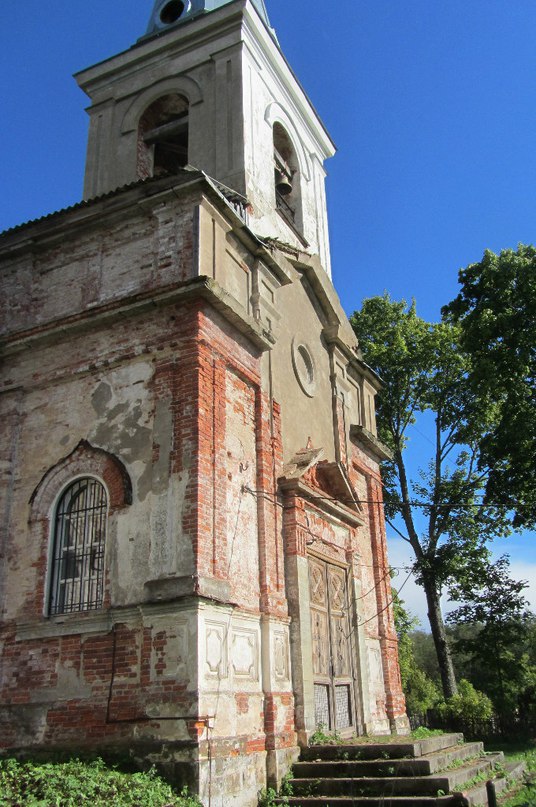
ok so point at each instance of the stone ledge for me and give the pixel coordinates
(65, 625)
(361, 436)
(166, 589)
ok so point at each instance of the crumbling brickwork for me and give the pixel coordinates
(201, 643)
(187, 433)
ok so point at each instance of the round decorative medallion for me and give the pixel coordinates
(304, 367)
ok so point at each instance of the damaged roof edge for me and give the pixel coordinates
(147, 188)
(22, 235)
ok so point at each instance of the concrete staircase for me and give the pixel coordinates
(436, 771)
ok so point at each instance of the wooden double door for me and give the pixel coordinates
(332, 644)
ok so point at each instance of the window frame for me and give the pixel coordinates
(52, 597)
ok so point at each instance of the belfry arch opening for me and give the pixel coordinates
(286, 178)
(163, 137)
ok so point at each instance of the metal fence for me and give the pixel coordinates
(509, 727)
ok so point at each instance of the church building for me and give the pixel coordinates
(193, 563)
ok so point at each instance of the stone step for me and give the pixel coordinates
(422, 766)
(484, 766)
(398, 749)
(453, 800)
(447, 757)
(477, 795)
(349, 769)
(436, 772)
(430, 745)
(428, 785)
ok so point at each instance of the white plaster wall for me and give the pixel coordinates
(231, 695)
(268, 101)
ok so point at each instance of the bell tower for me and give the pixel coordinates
(208, 88)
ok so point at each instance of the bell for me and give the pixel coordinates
(283, 184)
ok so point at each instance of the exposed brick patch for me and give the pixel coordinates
(85, 459)
(242, 703)
(204, 453)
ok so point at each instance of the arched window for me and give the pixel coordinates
(79, 536)
(163, 137)
(287, 178)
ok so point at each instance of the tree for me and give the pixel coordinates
(496, 311)
(420, 691)
(425, 654)
(446, 524)
(492, 605)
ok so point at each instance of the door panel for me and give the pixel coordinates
(331, 643)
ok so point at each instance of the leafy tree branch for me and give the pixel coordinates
(425, 370)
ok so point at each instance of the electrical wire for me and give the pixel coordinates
(391, 601)
(307, 529)
(412, 503)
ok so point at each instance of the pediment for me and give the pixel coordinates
(302, 462)
(325, 483)
(333, 478)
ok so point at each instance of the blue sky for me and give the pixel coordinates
(432, 105)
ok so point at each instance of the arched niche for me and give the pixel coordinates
(163, 133)
(287, 177)
(180, 85)
(83, 461)
(275, 113)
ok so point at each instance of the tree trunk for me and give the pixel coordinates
(439, 635)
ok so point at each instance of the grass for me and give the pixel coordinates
(422, 733)
(524, 795)
(74, 783)
(384, 739)
(321, 737)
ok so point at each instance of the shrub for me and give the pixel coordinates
(75, 783)
(421, 693)
(468, 704)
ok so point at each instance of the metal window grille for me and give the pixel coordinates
(78, 555)
(322, 710)
(343, 709)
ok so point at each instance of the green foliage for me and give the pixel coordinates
(392, 341)
(468, 703)
(424, 652)
(268, 796)
(422, 733)
(420, 691)
(496, 310)
(286, 785)
(425, 370)
(523, 792)
(495, 640)
(73, 783)
(321, 737)
(525, 795)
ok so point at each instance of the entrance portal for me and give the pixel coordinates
(331, 640)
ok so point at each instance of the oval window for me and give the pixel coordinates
(304, 367)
